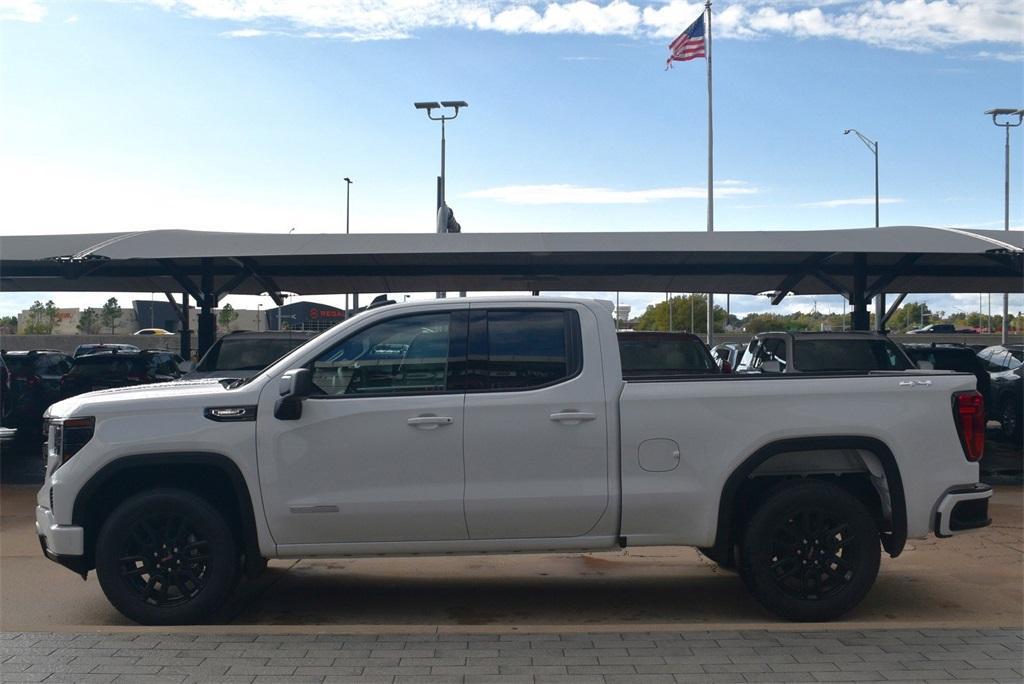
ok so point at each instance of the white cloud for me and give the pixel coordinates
(22, 10)
(1002, 56)
(245, 33)
(564, 193)
(853, 201)
(901, 24)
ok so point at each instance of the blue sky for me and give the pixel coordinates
(246, 115)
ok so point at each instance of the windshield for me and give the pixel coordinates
(106, 364)
(248, 354)
(646, 355)
(848, 355)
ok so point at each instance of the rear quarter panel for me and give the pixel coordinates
(719, 423)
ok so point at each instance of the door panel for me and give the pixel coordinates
(377, 455)
(533, 468)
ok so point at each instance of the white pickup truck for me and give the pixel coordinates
(500, 425)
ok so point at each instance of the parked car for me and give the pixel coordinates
(953, 357)
(35, 384)
(98, 348)
(1005, 366)
(153, 331)
(6, 401)
(812, 352)
(728, 355)
(120, 369)
(935, 329)
(503, 425)
(652, 354)
(243, 354)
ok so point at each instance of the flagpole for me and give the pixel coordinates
(711, 170)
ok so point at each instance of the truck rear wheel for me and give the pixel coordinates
(810, 552)
(166, 557)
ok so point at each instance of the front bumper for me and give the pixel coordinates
(59, 542)
(962, 509)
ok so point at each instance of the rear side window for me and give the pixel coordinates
(519, 349)
(847, 355)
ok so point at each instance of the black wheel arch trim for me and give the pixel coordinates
(893, 541)
(243, 501)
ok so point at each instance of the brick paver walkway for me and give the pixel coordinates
(609, 658)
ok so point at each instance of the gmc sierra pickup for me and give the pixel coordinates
(501, 425)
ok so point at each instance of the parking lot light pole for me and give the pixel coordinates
(872, 146)
(1004, 118)
(348, 195)
(430, 107)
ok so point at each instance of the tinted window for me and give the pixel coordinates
(401, 355)
(108, 365)
(647, 354)
(247, 353)
(960, 360)
(847, 355)
(526, 348)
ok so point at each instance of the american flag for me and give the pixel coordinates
(689, 45)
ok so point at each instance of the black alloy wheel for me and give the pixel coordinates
(166, 557)
(812, 555)
(811, 551)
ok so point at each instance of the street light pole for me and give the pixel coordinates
(1007, 125)
(348, 195)
(441, 203)
(872, 146)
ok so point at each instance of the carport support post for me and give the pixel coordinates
(207, 321)
(186, 331)
(861, 319)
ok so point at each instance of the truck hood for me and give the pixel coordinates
(141, 396)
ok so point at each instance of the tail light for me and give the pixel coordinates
(726, 366)
(969, 415)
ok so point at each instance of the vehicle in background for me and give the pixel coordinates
(664, 354)
(34, 385)
(1005, 366)
(153, 331)
(100, 347)
(120, 369)
(6, 402)
(243, 354)
(812, 352)
(728, 355)
(504, 425)
(935, 329)
(954, 357)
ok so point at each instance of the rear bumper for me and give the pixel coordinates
(962, 509)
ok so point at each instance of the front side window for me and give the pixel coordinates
(399, 356)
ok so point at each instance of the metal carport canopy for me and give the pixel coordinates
(895, 259)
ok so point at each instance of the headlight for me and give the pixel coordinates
(71, 435)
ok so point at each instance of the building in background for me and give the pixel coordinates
(301, 316)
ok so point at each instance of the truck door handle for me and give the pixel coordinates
(572, 416)
(430, 422)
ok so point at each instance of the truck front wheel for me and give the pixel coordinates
(810, 552)
(166, 557)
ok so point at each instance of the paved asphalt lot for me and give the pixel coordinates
(945, 610)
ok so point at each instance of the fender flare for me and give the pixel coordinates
(893, 541)
(243, 501)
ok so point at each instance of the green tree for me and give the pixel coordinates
(911, 316)
(10, 324)
(687, 311)
(41, 318)
(110, 314)
(89, 322)
(227, 316)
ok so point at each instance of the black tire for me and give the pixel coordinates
(166, 557)
(1010, 419)
(810, 552)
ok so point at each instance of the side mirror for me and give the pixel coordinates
(925, 365)
(294, 387)
(772, 366)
